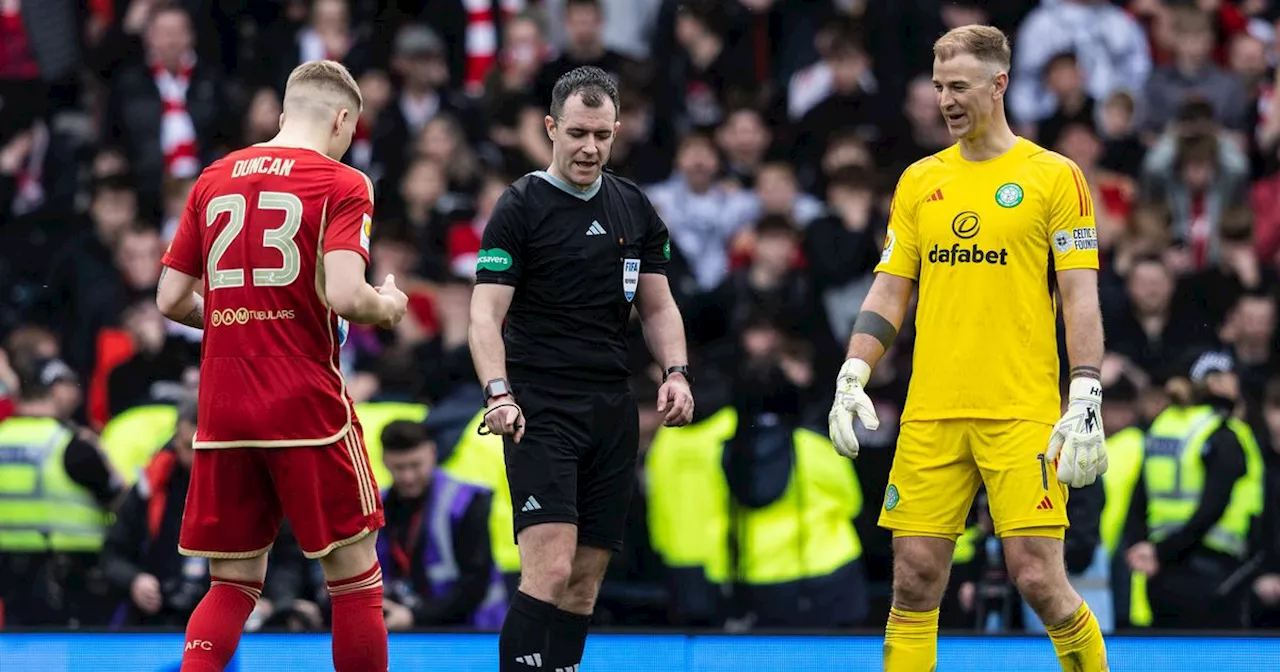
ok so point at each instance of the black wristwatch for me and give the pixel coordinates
(682, 370)
(496, 388)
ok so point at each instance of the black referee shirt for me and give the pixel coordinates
(574, 258)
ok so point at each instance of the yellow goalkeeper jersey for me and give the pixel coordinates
(983, 239)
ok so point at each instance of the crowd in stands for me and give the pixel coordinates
(769, 135)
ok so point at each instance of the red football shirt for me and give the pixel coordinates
(256, 227)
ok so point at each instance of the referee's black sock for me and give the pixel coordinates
(568, 640)
(526, 633)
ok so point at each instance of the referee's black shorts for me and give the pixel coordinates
(576, 462)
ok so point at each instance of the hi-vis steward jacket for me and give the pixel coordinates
(1173, 474)
(41, 508)
(807, 532)
(479, 459)
(134, 436)
(1124, 453)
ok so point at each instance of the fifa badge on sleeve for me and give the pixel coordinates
(630, 278)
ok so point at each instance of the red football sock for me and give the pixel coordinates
(213, 632)
(359, 631)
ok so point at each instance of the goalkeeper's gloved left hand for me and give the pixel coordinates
(851, 401)
(1077, 440)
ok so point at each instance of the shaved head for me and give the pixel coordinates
(321, 89)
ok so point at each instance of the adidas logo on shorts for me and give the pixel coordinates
(532, 660)
(530, 504)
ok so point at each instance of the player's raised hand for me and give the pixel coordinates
(397, 302)
(1077, 440)
(851, 400)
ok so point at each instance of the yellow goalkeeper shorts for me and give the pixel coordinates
(939, 465)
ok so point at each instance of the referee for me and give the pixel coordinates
(566, 253)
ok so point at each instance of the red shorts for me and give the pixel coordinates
(239, 496)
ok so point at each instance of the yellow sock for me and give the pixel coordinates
(911, 641)
(1078, 641)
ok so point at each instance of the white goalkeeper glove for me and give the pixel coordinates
(851, 400)
(1077, 441)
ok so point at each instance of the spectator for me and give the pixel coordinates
(1214, 291)
(769, 283)
(156, 372)
(627, 29)
(1247, 60)
(1198, 174)
(851, 104)
(744, 140)
(707, 75)
(1250, 331)
(1113, 52)
(1194, 74)
(1151, 330)
(435, 550)
(327, 34)
(846, 149)
(83, 282)
(421, 212)
(418, 59)
(510, 99)
(1065, 82)
(702, 216)
(843, 247)
(1119, 131)
(37, 55)
(778, 192)
(583, 45)
(443, 142)
(168, 113)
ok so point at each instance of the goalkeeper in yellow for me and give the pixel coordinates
(991, 229)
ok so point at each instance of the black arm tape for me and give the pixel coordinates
(1086, 372)
(875, 325)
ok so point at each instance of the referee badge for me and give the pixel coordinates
(630, 278)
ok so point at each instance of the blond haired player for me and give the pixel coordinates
(277, 236)
(991, 228)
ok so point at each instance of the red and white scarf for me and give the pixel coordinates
(177, 132)
(482, 38)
